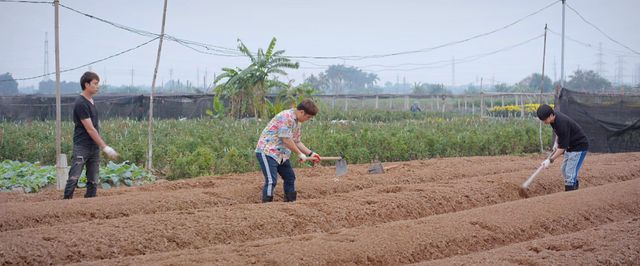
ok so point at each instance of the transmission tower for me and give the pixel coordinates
(204, 79)
(453, 71)
(636, 76)
(555, 70)
(600, 63)
(619, 74)
(46, 56)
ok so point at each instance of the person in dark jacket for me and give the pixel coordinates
(570, 142)
(87, 141)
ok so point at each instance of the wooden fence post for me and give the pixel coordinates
(481, 104)
(465, 104)
(473, 107)
(346, 104)
(522, 106)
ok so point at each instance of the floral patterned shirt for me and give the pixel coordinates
(283, 125)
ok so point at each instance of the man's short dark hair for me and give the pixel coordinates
(544, 111)
(87, 77)
(308, 106)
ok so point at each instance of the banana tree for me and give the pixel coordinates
(258, 74)
(237, 89)
(289, 96)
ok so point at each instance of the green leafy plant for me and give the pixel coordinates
(31, 177)
(124, 173)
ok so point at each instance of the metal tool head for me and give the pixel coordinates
(376, 168)
(341, 167)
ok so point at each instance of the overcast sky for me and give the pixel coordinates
(326, 28)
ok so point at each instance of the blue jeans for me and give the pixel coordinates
(271, 169)
(83, 156)
(571, 167)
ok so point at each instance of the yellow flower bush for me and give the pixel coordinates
(514, 110)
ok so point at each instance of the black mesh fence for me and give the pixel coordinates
(610, 121)
(43, 107)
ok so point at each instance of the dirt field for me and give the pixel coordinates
(452, 211)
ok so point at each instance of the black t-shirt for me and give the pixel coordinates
(570, 134)
(83, 109)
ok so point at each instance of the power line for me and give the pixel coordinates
(224, 51)
(431, 48)
(468, 58)
(439, 63)
(27, 2)
(589, 45)
(598, 29)
(90, 63)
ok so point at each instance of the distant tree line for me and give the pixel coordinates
(336, 79)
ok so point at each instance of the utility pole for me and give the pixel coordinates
(153, 85)
(564, 3)
(60, 165)
(132, 74)
(544, 55)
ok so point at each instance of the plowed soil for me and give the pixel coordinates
(452, 211)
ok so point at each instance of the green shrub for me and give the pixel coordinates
(200, 162)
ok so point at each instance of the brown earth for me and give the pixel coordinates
(457, 211)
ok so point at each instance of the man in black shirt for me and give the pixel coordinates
(570, 141)
(86, 138)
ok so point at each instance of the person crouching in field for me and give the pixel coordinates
(571, 141)
(86, 138)
(278, 140)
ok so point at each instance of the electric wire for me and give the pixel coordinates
(599, 30)
(87, 64)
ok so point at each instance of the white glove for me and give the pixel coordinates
(546, 163)
(555, 145)
(110, 152)
(302, 157)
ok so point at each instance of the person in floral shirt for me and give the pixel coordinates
(278, 140)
